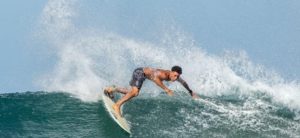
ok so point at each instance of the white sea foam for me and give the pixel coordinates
(89, 59)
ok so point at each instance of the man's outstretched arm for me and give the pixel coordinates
(186, 86)
(160, 84)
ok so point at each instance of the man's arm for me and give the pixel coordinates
(160, 84)
(185, 85)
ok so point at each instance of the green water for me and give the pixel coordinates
(42, 114)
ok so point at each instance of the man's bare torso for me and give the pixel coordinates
(154, 74)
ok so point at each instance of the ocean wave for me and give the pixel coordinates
(57, 114)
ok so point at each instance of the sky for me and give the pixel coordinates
(269, 31)
(18, 65)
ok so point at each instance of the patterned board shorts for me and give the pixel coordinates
(138, 77)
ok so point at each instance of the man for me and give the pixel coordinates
(138, 77)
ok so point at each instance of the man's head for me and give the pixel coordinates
(176, 71)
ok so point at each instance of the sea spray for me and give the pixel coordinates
(89, 59)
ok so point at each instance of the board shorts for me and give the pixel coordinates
(138, 77)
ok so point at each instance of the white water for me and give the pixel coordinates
(89, 59)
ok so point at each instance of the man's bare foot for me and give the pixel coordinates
(109, 91)
(117, 111)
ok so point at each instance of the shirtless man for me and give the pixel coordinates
(138, 77)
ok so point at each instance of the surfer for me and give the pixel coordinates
(140, 75)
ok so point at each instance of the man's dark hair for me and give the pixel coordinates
(177, 69)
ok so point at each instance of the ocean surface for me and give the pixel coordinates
(57, 114)
(89, 45)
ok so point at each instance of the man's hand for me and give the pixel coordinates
(195, 96)
(169, 92)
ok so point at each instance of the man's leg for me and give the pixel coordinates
(134, 92)
(122, 90)
(110, 90)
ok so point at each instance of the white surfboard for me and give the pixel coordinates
(122, 122)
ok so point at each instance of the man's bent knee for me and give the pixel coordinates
(135, 94)
(135, 91)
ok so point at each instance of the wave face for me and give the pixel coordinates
(43, 114)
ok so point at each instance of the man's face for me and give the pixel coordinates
(174, 76)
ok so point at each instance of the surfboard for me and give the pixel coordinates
(122, 122)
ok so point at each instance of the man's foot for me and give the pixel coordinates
(117, 111)
(109, 91)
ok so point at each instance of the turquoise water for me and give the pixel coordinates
(43, 114)
(86, 46)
